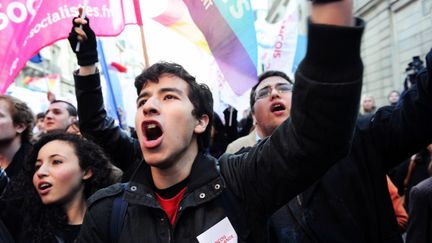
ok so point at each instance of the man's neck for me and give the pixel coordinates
(178, 171)
(261, 133)
(7, 154)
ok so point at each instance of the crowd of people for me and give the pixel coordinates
(305, 165)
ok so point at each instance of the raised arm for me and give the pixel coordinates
(333, 13)
(325, 103)
(93, 119)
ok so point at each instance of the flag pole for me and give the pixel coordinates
(107, 76)
(83, 15)
(144, 47)
(140, 23)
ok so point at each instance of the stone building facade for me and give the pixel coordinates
(396, 31)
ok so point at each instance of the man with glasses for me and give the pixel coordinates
(270, 102)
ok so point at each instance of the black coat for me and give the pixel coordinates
(351, 202)
(261, 181)
(420, 225)
(12, 200)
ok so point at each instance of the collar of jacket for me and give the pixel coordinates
(18, 160)
(205, 183)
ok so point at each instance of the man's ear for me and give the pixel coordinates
(20, 128)
(253, 119)
(71, 119)
(88, 173)
(202, 124)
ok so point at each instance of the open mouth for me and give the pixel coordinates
(152, 131)
(44, 188)
(153, 134)
(277, 107)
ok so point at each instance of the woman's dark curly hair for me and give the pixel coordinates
(42, 221)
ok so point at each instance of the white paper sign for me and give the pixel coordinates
(222, 232)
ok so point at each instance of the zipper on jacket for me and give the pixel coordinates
(299, 200)
(164, 220)
(179, 213)
(180, 210)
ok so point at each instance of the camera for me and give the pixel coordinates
(414, 67)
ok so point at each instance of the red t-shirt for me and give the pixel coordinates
(171, 205)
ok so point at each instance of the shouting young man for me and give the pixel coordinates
(178, 193)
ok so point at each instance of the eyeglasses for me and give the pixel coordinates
(266, 91)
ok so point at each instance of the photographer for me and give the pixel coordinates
(412, 71)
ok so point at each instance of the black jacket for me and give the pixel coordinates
(5, 236)
(420, 226)
(261, 181)
(351, 202)
(11, 201)
(18, 161)
(123, 150)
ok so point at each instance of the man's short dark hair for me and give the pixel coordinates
(199, 94)
(69, 107)
(264, 75)
(40, 115)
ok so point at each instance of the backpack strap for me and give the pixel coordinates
(234, 211)
(296, 211)
(59, 238)
(411, 166)
(118, 215)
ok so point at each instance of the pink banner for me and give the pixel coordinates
(26, 26)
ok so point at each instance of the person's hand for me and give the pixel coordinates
(332, 12)
(324, 1)
(51, 96)
(87, 54)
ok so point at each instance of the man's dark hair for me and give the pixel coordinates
(69, 107)
(21, 114)
(40, 115)
(264, 75)
(199, 94)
